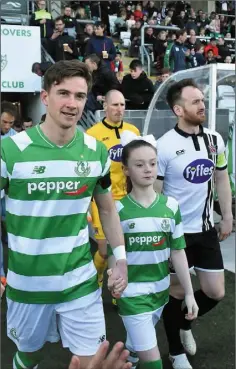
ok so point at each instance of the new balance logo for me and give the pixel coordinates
(39, 170)
(101, 339)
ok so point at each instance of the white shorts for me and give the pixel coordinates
(80, 323)
(141, 333)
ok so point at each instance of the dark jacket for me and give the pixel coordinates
(97, 44)
(46, 29)
(138, 92)
(104, 80)
(56, 49)
(177, 57)
(70, 22)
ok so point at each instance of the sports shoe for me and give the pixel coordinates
(180, 362)
(188, 341)
(133, 358)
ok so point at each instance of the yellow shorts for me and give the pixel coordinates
(99, 235)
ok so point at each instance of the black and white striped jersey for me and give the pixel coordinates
(186, 164)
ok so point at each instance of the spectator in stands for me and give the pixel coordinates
(138, 14)
(43, 19)
(159, 49)
(228, 59)
(70, 22)
(212, 46)
(210, 59)
(152, 10)
(223, 48)
(135, 39)
(175, 59)
(101, 45)
(203, 21)
(117, 66)
(120, 23)
(104, 80)
(181, 20)
(84, 38)
(192, 42)
(165, 73)
(27, 123)
(137, 88)
(214, 25)
(168, 18)
(191, 24)
(230, 44)
(41, 68)
(149, 37)
(62, 46)
(8, 117)
(130, 22)
(199, 55)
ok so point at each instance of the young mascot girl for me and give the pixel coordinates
(153, 234)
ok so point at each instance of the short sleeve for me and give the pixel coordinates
(161, 161)
(177, 241)
(221, 162)
(104, 182)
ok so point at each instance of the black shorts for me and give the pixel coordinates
(203, 251)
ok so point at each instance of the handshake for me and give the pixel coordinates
(117, 278)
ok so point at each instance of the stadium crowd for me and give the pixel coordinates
(72, 36)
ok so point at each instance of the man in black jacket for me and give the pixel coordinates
(70, 22)
(62, 46)
(104, 80)
(137, 89)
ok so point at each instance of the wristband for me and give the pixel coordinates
(119, 252)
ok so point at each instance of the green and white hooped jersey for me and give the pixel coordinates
(49, 192)
(150, 233)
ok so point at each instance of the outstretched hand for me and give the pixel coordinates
(117, 358)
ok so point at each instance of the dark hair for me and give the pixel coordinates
(100, 24)
(34, 67)
(199, 46)
(180, 33)
(127, 149)
(9, 108)
(210, 50)
(93, 58)
(43, 117)
(175, 91)
(136, 63)
(66, 69)
(58, 19)
(27, 119)
(165, 71)
(17, 124)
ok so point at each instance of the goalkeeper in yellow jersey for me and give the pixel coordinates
(108, 131)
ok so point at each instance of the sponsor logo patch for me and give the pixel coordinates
(199, 171)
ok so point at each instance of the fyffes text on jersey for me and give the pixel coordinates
(199, 171)
(115, 153)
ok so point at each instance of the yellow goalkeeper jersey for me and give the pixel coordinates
(109, 134)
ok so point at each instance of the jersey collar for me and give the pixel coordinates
(185, 134)
(114, 126)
